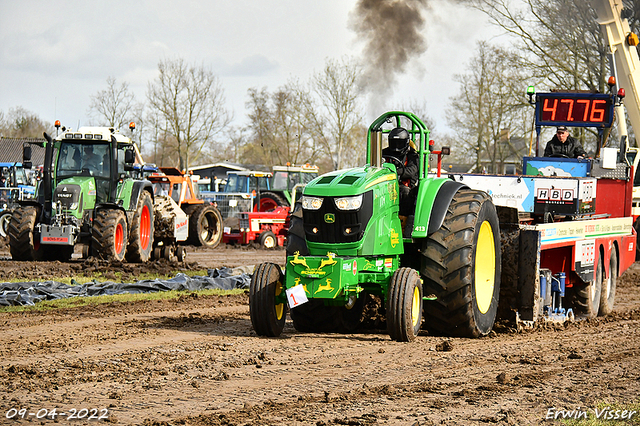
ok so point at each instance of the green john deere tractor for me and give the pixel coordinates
(86, 196)
(346, 246)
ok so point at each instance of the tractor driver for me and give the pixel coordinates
(91, 159)
(405, 158)
(564, 145)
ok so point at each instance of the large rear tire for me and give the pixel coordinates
(141, 235)
(24, 243)
(267, 316)
(404, 305)
(109, 235)
(608, 289)
(461, 265)
(269, 201)
(205, 226)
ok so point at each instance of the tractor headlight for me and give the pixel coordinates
(73, 206)
(311, 203)
(349, 203)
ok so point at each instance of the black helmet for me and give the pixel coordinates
(399, 140)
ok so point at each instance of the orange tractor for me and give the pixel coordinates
(205, 221)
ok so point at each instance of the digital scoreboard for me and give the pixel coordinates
(574, 109)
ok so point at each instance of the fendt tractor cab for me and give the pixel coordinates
(86, 196)
(346, 241)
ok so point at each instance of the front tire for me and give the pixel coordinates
(109, 235)
(404, 305)
(267, 316)
(141, 235)
(461, 265)
(24, 243)
(268, 240)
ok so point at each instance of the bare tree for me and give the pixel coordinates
(114, 106)
(490, 100)
(21, 123)
(336, 122)
(559, 40)
(278, 128)
(190, 100)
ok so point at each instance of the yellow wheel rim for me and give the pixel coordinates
(485, 267)
(415, 306)
(279, 306)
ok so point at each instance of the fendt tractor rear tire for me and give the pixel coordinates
(461, 266)
(269, 201)
(109, 235)
(24, 243)
(267, 316)
(268, 240)
(141, 234)
(205, 226)
(404, 305)
(608, 288)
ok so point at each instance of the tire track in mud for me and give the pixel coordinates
(197, 361)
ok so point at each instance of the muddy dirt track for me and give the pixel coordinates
(197, 361)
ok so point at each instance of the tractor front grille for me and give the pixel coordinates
(331, 225)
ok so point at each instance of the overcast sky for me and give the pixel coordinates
(55, 54)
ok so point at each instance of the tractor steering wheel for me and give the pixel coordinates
(395, 162)
(559, 155)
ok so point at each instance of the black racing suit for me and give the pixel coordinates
(407, 178)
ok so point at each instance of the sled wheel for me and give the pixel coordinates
(181, 254)
(24, 243)
(269, 201)
(157, 253)
(404, 305)
(461, 266)
(608, 289)
(267, 316)
(267, 240)
(586, 297)
(636, 226)
(205, 226)
(141, 235)
(109, 235)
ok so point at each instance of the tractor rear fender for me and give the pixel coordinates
(136, 190)
(434, 198)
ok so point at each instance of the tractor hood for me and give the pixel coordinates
(349, 182)
(75, 194)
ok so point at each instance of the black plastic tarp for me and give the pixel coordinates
(30, 293)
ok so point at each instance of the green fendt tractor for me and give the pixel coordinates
(86, 196)
(346, 242)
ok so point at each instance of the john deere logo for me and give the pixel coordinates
(329, 218)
